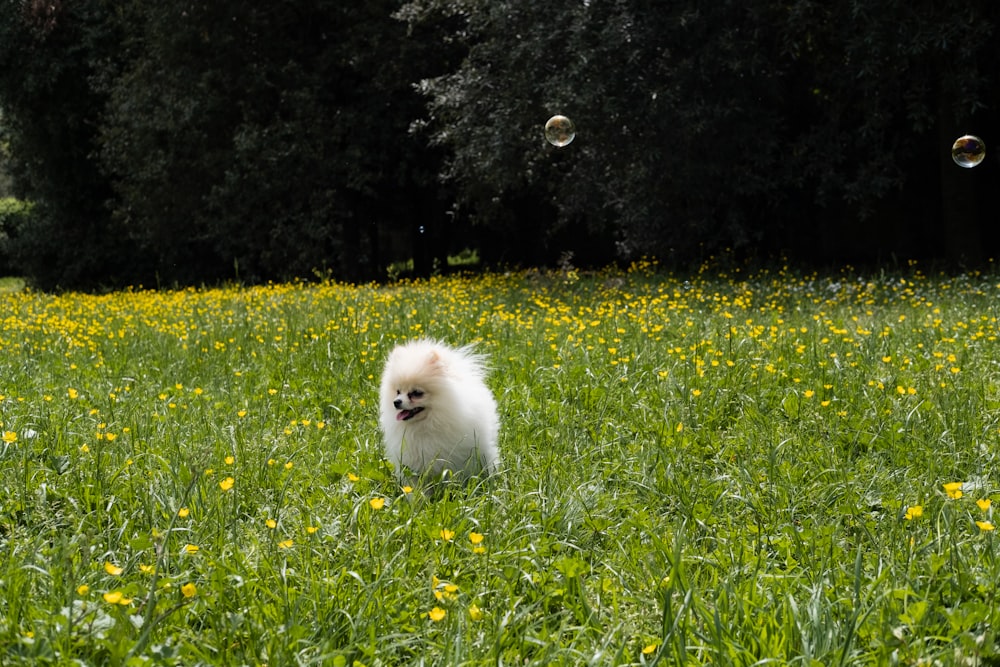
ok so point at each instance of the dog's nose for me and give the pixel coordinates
(398, 403)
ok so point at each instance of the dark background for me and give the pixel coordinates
(193, 142)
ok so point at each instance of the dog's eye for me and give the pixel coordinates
(416, 393)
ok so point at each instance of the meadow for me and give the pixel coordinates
(730, 467)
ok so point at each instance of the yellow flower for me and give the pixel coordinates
(407, 489)
(648, 649)
(352, 477)
(475, 538)
(229, 460)
(116, 597)
(447, 535)
(73, 393)
(112, 569)
(189, 590)
(82, 589)
(985, 525)
(9, 436)
(288, 465)
(913, 512)
(183, 512)
(286, 544)
(377, 503)
(227, 483)
(84, 448)
(436, 614)
(984, 504)
(146, 569)
(475, 613)
(953, 489)
(191, 548)
(271, 523)
(311, 529)
(241, 413)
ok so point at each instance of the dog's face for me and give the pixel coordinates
(411, 403)
(414, 378)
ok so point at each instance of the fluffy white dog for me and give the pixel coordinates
(438, 416)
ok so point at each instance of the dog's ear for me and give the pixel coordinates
(435, 363)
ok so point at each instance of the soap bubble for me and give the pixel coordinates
(968, 151)
(560, 131)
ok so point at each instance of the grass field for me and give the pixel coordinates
(717, 468)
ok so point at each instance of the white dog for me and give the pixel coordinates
(437, 414)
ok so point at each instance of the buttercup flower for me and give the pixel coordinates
(953, 489)
(914, 512)
(112, 569)
(436, 614)
(227, 483)
(189, 590)
(447, 535)
(984, 504)
(985, 526)
(377, 503)
(116, 597)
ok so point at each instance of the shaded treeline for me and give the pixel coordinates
(184, 142)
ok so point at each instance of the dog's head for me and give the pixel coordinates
(414, 376)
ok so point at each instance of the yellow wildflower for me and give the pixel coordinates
(953, 489)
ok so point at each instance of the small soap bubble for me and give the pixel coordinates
(560, 131)
(968, 151)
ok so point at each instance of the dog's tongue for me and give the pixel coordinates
(403, 414)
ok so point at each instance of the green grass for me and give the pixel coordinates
(712, 469)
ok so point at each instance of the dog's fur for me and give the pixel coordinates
(438, 417)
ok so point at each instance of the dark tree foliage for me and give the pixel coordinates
(48, 52)
(266, 140)
(194, 141)
(813, 127)
(186, 141)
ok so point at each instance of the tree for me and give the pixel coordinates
(264, 139)
(753, 124)
(48, 52)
